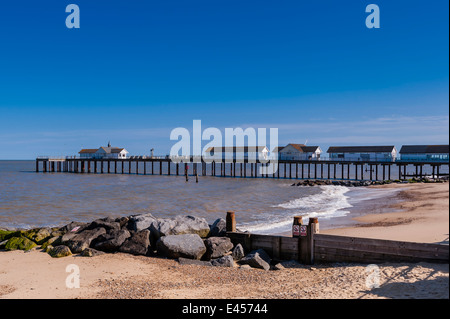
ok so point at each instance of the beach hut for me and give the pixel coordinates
(104, 152)
(363, 153)
(298, 152)
(424, 152)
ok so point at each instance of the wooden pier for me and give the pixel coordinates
(287, 169)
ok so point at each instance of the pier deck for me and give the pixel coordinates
(287, 169)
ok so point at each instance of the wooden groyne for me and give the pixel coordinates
(309, 247)
(287, 169)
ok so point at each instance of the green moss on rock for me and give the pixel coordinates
(19, 243)
(60, 251)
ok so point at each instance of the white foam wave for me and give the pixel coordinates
(330, 202)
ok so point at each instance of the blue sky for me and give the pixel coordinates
(135, 70)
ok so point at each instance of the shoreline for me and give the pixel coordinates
(36, 275)
(417, 212)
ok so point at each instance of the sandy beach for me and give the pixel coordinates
(421, 216)
(418, 213)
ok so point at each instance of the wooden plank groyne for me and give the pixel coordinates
(287, 169)
(311, 247)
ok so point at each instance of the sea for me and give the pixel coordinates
(262, 205)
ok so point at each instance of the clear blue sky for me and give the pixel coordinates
(137, 69)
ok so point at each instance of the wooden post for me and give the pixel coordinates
(137, 167)
(309, 170)
(37, 166)
(389, 172)
(298, 221)
(399, 172)
(296, 170)
(115, 167)
(384, 172)
(196, 177)
(328, 170)
(437, 172)
(342, 171)
(321, 170)
(334, 171)
(314, 222)
(168, 168)
(231, 222)
(362, 171)
(348, 171)
(145, 168)
(160, 167)
(123, 163)
(356, 171)
(370, 167)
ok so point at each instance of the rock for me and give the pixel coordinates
(257, 259)
(52, 241)
(218, 228)
(83, 240)
(141, 222)
(217, 247)
(74, 227)
(186, 245)
(20, 243)
(48, 249)
(3, 244)
(180, 225)
(186, 261)
(7, 234)
(238, 252)
(90, 252)
(60, 251)
(225, 261)
(112, 241)
(277, 267)
(245, 267)
(107, 223)
(137, 244)
(123, 221)
(42, 236)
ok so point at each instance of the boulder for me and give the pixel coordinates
(112, 241)
(74, 227)
(42, 235)
(90, 252)
(20, 243)
(225, 261)
(123, 221)
(217, 247)
(52, 241)
(60, 251)
(238, 252)
(106, 224)
(137, 244)
(141, 222)
(187, 246)
(83, 240)
(7, 234)
(218, 228)
(257, 259)
(180, 225)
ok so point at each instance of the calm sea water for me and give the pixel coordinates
(30, 199)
